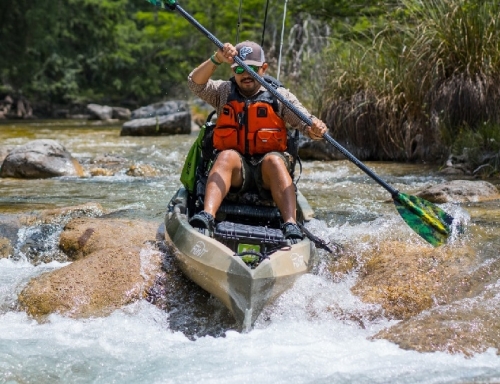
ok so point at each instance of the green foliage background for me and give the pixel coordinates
(127, 51)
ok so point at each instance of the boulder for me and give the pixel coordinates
(160, 109)
(100, 112)
(176, 123)
(460, 191)
(4, 151)
(121, 113)
(164, 118)
(114, 266)
(466, 327)
(40, 159)
(406, 279)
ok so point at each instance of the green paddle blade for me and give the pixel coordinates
(428, 220)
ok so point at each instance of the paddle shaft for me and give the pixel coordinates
(174, 6)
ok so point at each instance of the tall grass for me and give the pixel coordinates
(406, 90)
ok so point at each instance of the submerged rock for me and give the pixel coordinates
(40, 159)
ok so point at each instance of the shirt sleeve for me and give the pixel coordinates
(212, 92)
(289, 116)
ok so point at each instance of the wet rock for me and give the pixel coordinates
(6, 249)
(65, 214)
(107, 165)
(454, 171)
(38, 244)
(467, 326)
(114, 266)
(35, 236)
(461, 191)
(406, 279)
(83, 236)
(142, 170)
(40, 159)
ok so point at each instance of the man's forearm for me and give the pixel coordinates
(204, 72)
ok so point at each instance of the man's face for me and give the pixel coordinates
(246, 83)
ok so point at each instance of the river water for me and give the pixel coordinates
(298, 339)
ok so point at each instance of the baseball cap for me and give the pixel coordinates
(251, 53)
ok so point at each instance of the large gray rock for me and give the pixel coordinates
(176, 123)
(4, 151)
(160, 109)
(40, 159)
(100, 112)
(165, 118)
(121, 113)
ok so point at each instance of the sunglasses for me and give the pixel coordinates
(239, 69)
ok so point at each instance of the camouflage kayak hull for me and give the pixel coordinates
(245, 291)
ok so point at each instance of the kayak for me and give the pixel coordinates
(247, 264)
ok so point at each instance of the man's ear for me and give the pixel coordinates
(264, 67)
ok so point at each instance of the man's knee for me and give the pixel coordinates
(273, 162)
(229, 157)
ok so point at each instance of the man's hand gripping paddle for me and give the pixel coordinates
(426, 219)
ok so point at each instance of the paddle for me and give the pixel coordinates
(426, 219)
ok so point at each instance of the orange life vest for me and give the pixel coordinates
(250, 125)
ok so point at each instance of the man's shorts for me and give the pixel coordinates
(252, 173)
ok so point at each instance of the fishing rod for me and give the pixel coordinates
(281, 40)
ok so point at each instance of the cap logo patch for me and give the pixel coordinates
(245, 51)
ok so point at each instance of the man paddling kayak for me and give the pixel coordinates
(250, 135)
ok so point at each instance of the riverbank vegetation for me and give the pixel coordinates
(405, 80)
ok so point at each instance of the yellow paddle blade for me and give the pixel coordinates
(428, 220)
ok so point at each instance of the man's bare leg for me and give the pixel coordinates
(225, 173)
